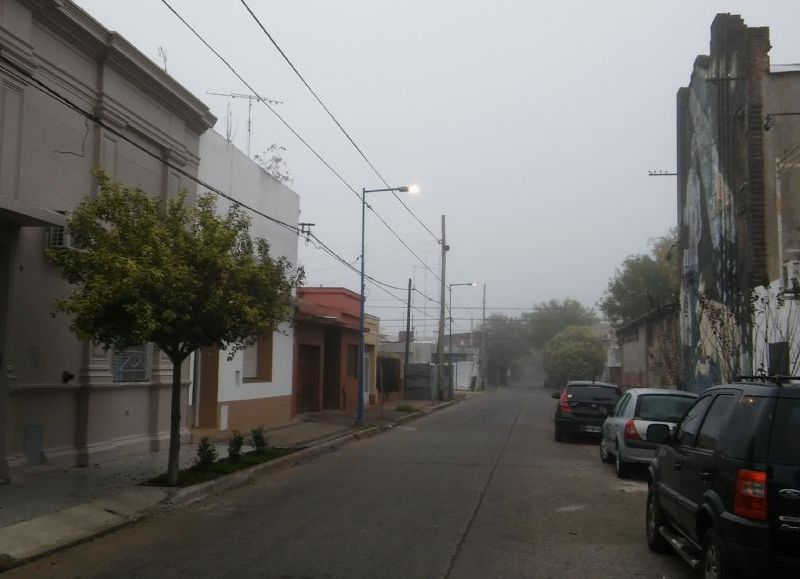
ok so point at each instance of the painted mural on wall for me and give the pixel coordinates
(717, 209)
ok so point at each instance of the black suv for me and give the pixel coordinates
(724, 489)
(583, 407)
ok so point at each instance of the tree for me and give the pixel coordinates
(548, 318)
(505, 342)
(272, 161)
(575, 353)
(178, 276)
(643, 283)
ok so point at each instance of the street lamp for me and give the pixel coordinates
(413, 189)
(453, 370)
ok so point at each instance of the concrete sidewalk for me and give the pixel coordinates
(47, 509)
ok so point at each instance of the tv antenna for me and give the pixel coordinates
(250, 98)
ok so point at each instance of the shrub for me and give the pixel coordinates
(206, 452)
(405, 408)
(235, 445)
(259, 439)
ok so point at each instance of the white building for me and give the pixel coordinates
(255, 386)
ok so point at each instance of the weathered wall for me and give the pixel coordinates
(721, 201)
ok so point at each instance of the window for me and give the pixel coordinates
(748, 432)
(257, 361)
(785, 444)
(716, 421)
(622, 405)
(132, 365)
(663, 407)
(352, 360)
(779, 359)
(687, 430)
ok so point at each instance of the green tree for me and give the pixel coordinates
(506, 341)
(575, 353)
(548, 318)
(178, 276)
(643, 283)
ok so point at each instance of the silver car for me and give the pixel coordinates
(625, 430)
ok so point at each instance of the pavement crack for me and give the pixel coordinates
(484, 490)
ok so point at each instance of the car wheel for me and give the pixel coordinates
(622, 467)
(654, 520)
(605, 456)
(715, 565)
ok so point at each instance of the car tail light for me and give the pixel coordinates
(563, 402)
(751, 494)
(630, 430)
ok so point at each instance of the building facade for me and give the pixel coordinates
(63, 401)
(254, 387)
(738, 222)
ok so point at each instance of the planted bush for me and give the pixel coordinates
(206, 452)
(259, 439)
(235, 445)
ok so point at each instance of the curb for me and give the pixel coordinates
(18, 542)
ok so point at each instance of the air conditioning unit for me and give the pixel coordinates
(58, 238)
(790, 279)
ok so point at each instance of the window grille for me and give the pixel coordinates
(132, 365)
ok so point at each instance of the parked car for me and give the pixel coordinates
(625, 430)
(724, 487)
(583, 406)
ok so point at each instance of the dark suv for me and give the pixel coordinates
(583, 407)
(724, 489)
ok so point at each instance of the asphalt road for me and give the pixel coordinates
(479, 490)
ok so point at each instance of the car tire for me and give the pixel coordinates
(605, 456)
(622, 467)
(654, 519)
(714, 563)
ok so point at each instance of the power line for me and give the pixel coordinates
(331, 115)
(23, 76)
(263, 101)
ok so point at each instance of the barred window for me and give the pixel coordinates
(132, 365)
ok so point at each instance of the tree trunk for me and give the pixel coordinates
(175, 425)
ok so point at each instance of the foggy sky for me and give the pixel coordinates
(530, 125)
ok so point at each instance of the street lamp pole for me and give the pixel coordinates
(361, 378)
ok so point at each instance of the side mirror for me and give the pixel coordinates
(659, 433)
(555, 395)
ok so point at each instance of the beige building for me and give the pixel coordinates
(63, 401)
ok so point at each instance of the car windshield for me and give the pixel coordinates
(592, 394)
(785, 440)
(663, 407)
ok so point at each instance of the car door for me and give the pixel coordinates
(699, 470)
(612, 424)
(671, 459)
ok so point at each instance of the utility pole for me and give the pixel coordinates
(482, 365)
(451, 388)
(442, 297)
(408, 326)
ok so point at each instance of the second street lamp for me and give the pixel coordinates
(413, 189)
(453, 372)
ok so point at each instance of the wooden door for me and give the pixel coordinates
(308, 378)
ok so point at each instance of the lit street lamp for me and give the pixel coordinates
(413, 189)
(453, 371)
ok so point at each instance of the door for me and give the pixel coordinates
(308, 378)
(675, 503)
(4, 398)
(209, 388)
(615, 421)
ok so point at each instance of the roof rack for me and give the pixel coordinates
(778, 380)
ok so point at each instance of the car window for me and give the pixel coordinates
(688, 427)
(619, 409)
(785, 441)
(662, 407)
(716, 420)
(592, 394)
(748, 430)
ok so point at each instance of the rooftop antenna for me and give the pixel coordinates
(250, 98)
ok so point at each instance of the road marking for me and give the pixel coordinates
(570, 508)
